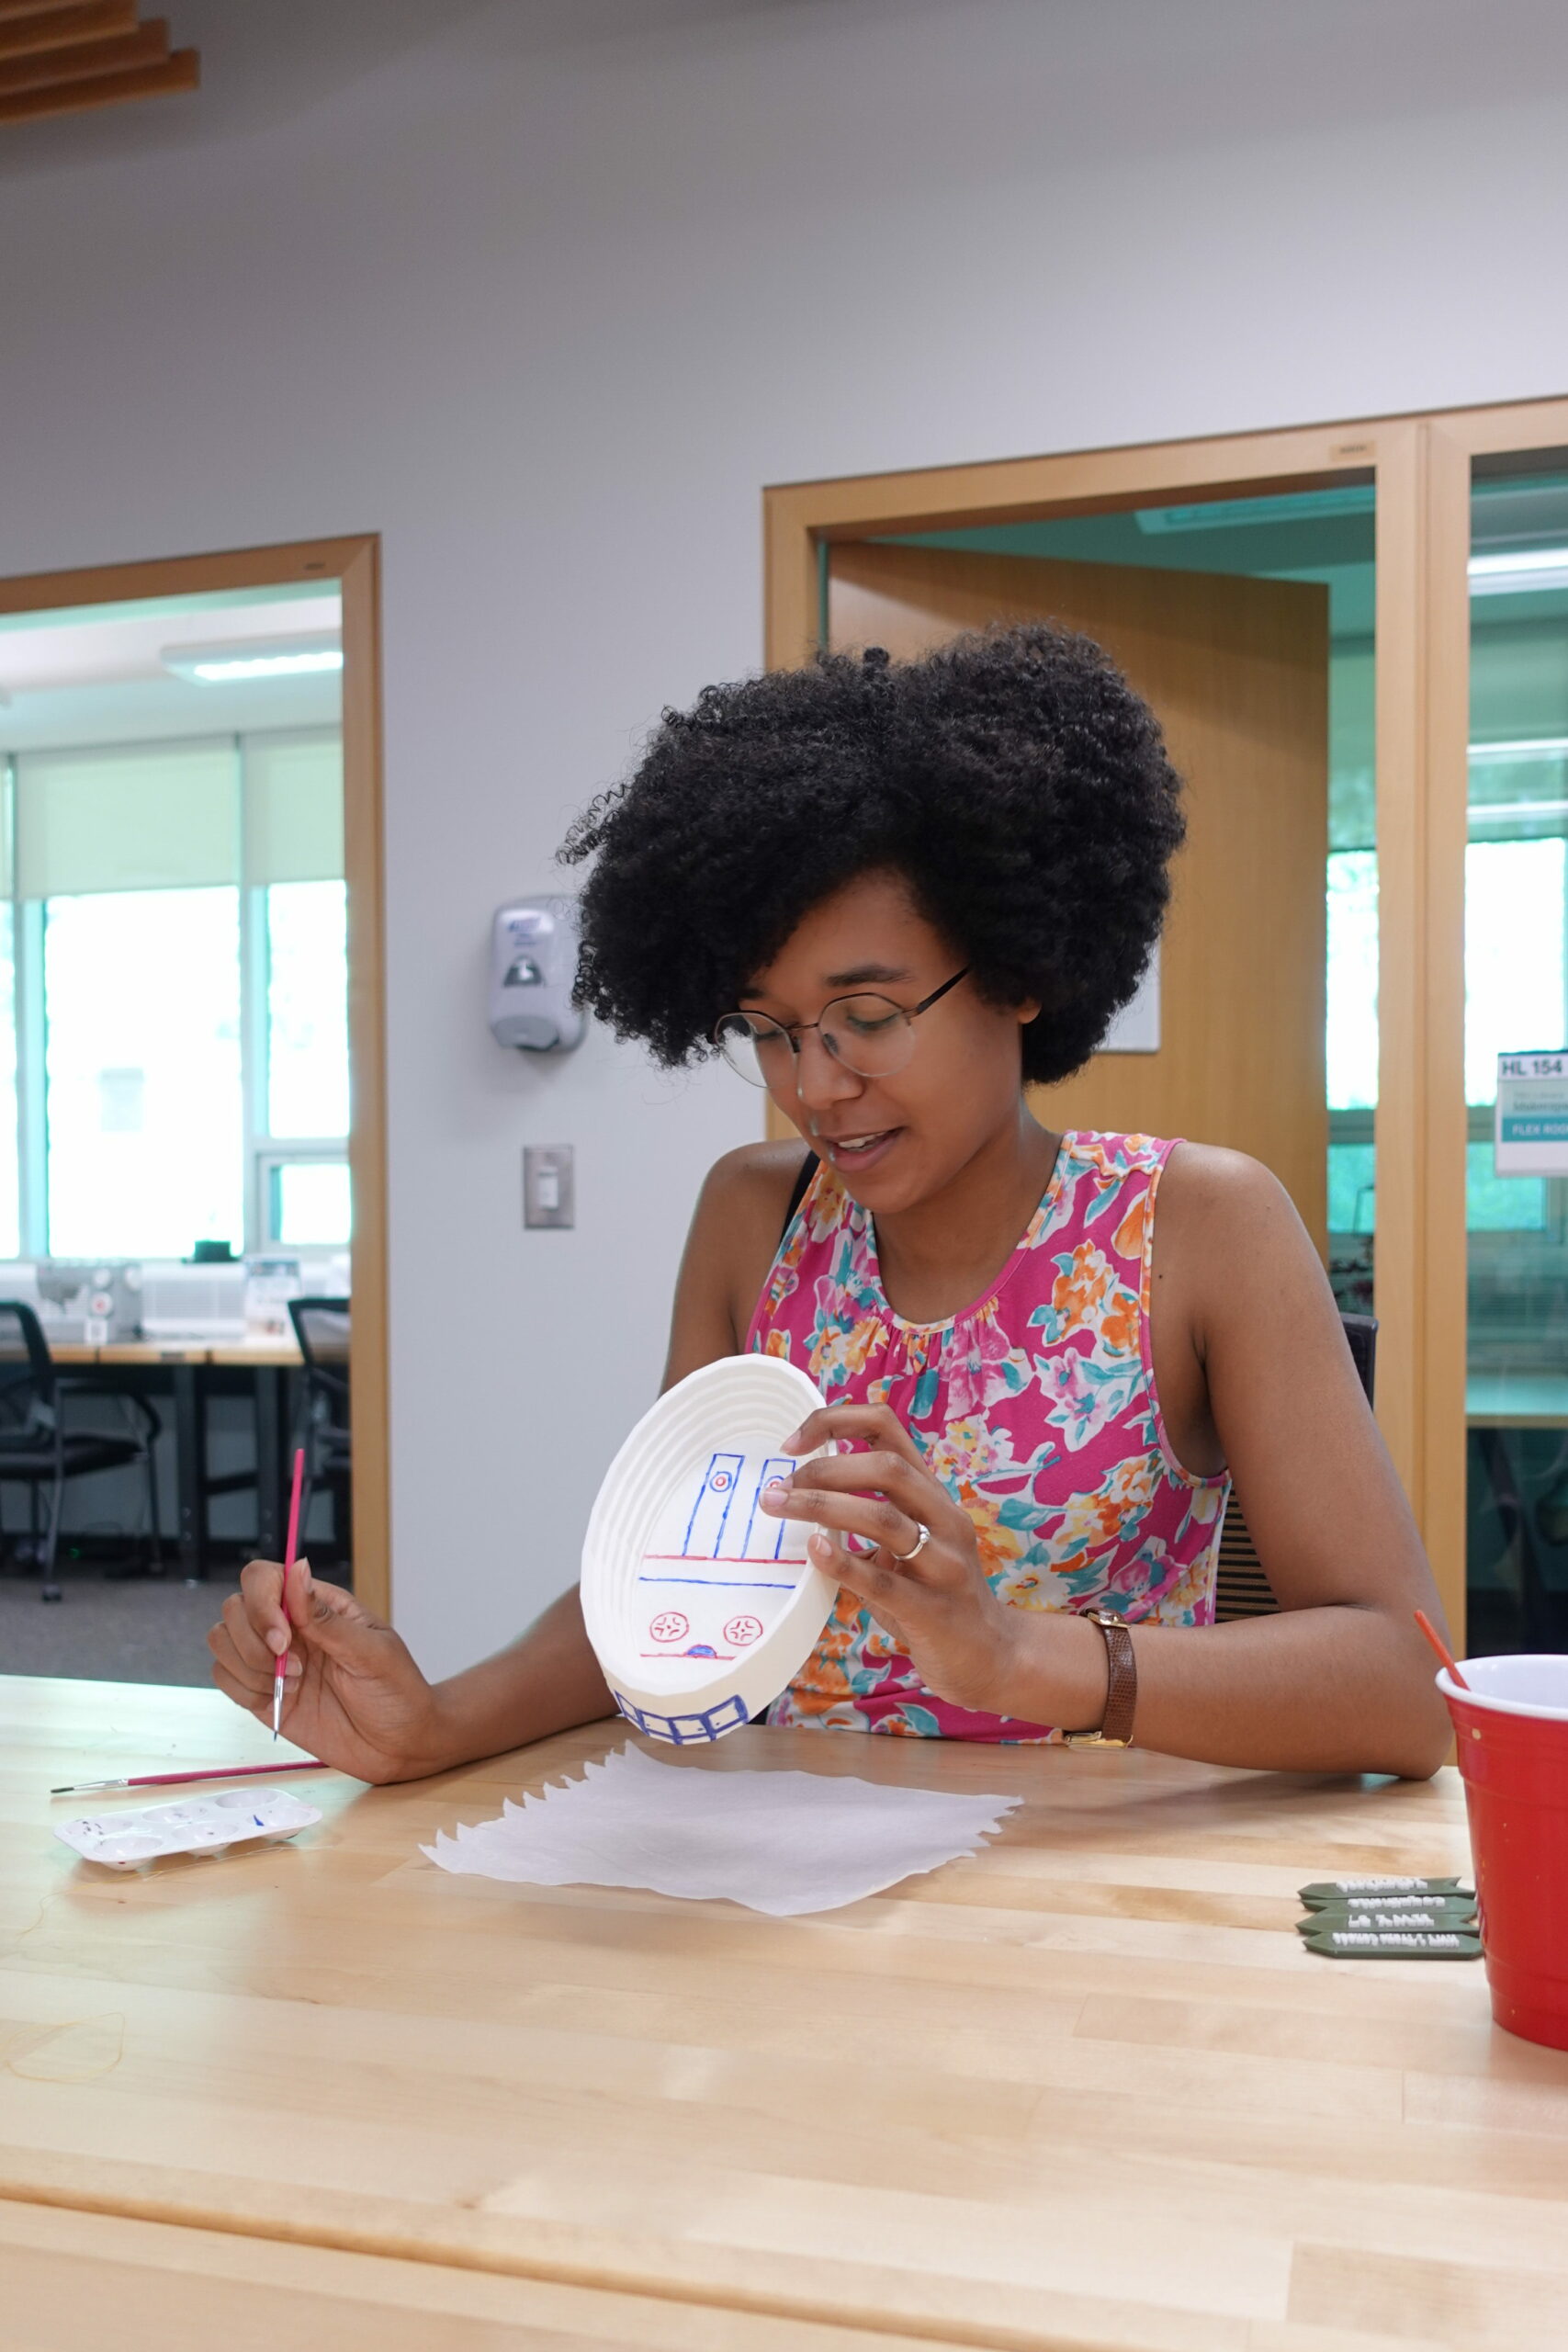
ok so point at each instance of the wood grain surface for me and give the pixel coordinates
(76, 2282)
(1083, 2088)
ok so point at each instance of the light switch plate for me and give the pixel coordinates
(549, 1186)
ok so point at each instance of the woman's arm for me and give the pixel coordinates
(1339, 1678)
(354, 1696)
(549, 1681)
(1253, 1367)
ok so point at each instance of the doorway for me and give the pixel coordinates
(192, 1096)
(1393, 1107)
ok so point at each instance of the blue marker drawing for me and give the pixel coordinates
(710, 1512)
(737, 1584)
(770, 1534)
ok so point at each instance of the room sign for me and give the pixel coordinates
(1532, 1131)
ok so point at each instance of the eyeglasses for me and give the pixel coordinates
(867, 1033)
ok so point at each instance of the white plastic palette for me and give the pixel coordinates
(145, 1833)
(700, 1605)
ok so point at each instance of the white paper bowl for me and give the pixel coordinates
(701, 1607)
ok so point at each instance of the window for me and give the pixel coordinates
(1513, 955)
(307, 1203)
(1352, 984)
(1516, 957)
(307, 999)
(145, 1111)
(10, 1202)
(173, 997)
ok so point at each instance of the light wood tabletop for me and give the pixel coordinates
(1083, 2088)
(260, 1351)
(80, 2282)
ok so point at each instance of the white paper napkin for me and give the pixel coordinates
(775, 1841)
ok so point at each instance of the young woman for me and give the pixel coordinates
(895, 894)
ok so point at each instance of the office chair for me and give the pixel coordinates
(1241, 1583)
(37, 1448)
(321, 1330)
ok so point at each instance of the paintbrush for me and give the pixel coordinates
(208, 1772)
(289, 1551)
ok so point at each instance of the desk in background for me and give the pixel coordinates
(189, 1371)
(1085, 2088)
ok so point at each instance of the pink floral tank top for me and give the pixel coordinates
(1036, 1407)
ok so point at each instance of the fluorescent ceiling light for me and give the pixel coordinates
(236, 662)
(1510, 575)
(1528, 747)
(1242, 513)
(1513, 812)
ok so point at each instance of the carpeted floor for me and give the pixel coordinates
(145, 1630)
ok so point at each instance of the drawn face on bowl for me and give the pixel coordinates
(718, 1571)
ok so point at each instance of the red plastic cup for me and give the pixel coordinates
(1512, 1729)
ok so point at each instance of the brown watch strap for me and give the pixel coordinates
(1120, 1685)
(1122, 1679)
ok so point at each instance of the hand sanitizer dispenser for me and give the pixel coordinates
(532, 962)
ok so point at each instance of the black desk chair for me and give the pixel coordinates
(36, 1447)
(321, 1329)
(1241, 1584)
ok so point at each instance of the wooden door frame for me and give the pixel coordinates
(1419, 465)
(354, 564)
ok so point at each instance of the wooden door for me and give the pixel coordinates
(1237, 672)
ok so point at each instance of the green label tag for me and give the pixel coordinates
(1392, 1943)
(1444, 1911)
(1345, 1890)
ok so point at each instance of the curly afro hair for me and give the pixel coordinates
(1012, 778)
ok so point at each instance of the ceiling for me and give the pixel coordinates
(96, 675)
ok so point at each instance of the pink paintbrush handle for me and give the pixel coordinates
(214, 1772)
(292, 1545)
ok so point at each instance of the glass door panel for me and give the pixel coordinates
(1515, 947)
(1326, 536)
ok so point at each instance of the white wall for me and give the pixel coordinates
(545, 297)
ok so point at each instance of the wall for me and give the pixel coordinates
(545, 296)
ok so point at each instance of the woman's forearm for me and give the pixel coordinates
(1330, 1690)
(546, 1683)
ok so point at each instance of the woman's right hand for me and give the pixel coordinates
(352, 1693)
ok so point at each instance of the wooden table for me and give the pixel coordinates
(1085, 2089)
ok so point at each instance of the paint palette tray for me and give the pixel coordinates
(700, 1605)
(146, 1833)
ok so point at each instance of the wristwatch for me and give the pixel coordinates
(1120, 1688)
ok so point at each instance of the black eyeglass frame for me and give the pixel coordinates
(792, 1034)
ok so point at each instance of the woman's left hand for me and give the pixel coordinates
(937, 1605)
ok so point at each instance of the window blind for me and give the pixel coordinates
(294, 806)
(167, 816)
(127, 817)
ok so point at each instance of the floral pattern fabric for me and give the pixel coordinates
(1036, 1408)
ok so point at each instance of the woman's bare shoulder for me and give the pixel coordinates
(1228, 1235)
(735, 1234)
(761, 1173)
(1209, 1192)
